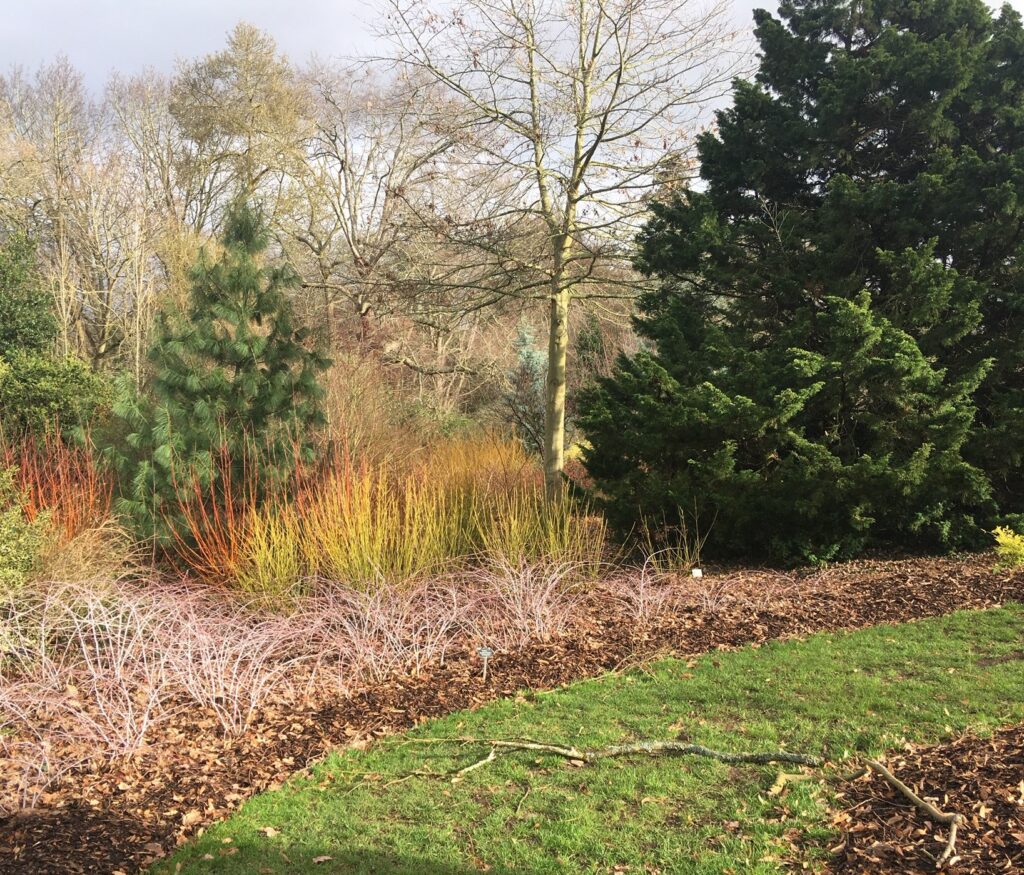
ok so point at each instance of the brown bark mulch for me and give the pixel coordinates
(121, 817)
(981, 779)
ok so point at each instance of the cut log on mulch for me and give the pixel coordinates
(979, 779)
(124, 815)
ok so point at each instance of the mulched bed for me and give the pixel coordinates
(123, 816)
(982, 779)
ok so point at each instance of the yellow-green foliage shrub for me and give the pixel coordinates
(463, 500)
(372, 523)
(499, 509)
(21, 540)
(272, 567)
(1009, 548)
(523, 526)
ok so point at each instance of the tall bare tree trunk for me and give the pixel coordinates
(554, 409)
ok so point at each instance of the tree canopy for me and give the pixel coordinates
(38, 390)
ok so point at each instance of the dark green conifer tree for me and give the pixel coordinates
(839, 335)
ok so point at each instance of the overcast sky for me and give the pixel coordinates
(100, 36)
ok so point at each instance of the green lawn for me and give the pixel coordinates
(830, 694)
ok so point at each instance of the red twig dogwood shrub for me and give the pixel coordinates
(450, 506)
(210, 540)
(61, 480)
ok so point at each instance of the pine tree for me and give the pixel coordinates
(235, 396)
(840, 328)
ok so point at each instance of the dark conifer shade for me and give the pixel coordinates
(838, 344)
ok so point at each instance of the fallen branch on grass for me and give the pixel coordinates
(679, 748)
(582, 757)
(943, 818)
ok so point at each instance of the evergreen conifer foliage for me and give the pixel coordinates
(235, 398)
(837, 342)
(26, 321)
(524, 394)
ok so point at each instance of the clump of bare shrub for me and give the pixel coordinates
(230, 661)
(648, 593)
(376, 632)
(516, 602)
(34, 764)
(645, 593)
(100, 665)
(87, 660)
(96, 667)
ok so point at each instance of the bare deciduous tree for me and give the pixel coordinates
(178, 175)
(355, 227)
(245, 114)
(80, 199)
(368, 156)
(572, 114)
